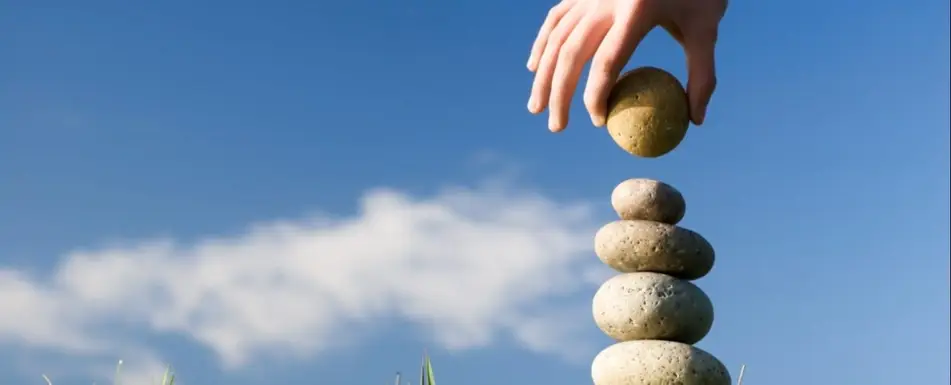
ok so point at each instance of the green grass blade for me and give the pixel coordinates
(429, 372)
(169, 377)
(422, 372)
(118, 373)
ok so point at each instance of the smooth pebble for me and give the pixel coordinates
(649, 200)
(635, 246)
(652, 306)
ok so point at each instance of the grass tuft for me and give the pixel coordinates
(426, 375)
(168, 378)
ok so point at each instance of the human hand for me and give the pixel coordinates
(607, 32)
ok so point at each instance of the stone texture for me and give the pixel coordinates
(648, 112)
(653, 362)
(652, 306)
(649, 200)
(631, 245)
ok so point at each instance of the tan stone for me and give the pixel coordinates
(652, 306)
(649, 200)
(648, 112)
(631, 245)
(654, 362)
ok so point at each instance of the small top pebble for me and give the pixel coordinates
(648, 200)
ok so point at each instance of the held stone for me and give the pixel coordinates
(649, 200)
(632, 246)
(648, 112)
(654, 362)
(652, 306)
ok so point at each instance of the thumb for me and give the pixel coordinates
(702, 79)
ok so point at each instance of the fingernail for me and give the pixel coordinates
(700, 116)
(597, 120)
(529, 64)
(532, 105)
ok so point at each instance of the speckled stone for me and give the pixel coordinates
(654, 362)
(652, 306)
(630, 246)
(648, 112)
(649, 200)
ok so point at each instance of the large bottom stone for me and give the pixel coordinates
(655, 362)
(652, 306)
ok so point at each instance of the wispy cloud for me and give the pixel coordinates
(467, 265)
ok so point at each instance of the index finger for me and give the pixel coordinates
(616, 49)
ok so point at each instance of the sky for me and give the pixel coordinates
(316, 192)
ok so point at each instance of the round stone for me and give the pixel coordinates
(648, 112)
(652, 306)
(630, 246)
(649, 200)
(655, 362)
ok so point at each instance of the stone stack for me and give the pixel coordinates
(652, 309)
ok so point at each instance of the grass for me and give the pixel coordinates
(167, 379)
(426, 375)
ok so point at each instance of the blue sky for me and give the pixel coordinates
(314, 192)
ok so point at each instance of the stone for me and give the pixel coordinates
(648, 112)
(652, 306)
(630, 246)
(655, 362)
(648, 200)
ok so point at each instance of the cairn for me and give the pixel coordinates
(651, 308)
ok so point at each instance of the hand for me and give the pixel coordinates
(607, 32)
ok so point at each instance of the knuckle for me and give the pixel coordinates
(556, 42)
(707, 84)
(712, 33)
(569, 52)
(556, 10)
(551, 45)
(603, 64)
(712, 83)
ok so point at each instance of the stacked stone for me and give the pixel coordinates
(652, 309)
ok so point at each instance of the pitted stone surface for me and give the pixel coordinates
(648, 112)
(654, 362)
(630, 246)
(649, 200)
(652, 306)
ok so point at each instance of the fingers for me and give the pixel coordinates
(702, 80)
(541, 88)
(568, 38)
(622, 39)
(554, 16)
(579, 47)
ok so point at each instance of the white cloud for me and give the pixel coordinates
(467, 265)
